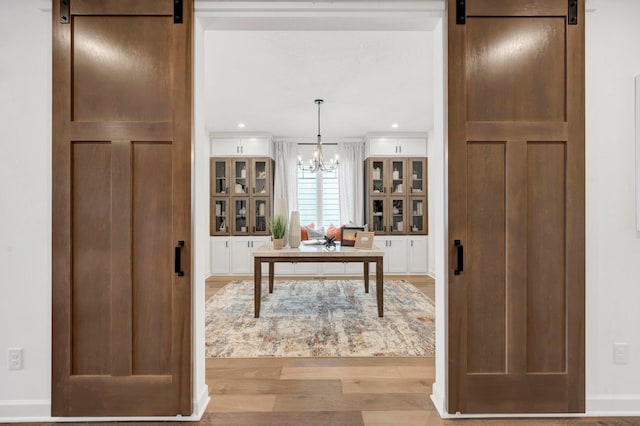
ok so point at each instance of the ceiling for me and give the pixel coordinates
(268, 79)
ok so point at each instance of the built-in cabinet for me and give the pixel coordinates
(402, 255)
(232, 255)
(396, 146)
(417, 259)
(396, 195)
(245, 146)
(241, 196)
(395, 202)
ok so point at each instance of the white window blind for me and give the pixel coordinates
(318, 198)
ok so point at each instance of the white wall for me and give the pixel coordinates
(438, 230)
(25, 204)
(25, 215)
(613, 246)
(200, 214)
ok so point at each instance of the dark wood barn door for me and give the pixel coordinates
(516, 206)
(121, 202)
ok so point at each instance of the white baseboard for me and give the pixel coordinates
(438, 400)
(33, 411)
(200, 402)
(596, 406)
(613, 405)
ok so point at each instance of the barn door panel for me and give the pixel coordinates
(121, 203)
(516, 206)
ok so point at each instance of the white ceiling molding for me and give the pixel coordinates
(319, 15)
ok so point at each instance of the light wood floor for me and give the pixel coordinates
(338, 391)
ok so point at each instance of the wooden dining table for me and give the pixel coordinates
(314, 254)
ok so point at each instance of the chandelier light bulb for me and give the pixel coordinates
(316, 163)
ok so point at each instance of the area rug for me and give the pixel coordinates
(329, 318)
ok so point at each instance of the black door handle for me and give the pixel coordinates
(178, 259)
(460, 249)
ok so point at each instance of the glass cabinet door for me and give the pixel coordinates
(376, 177)
(220, 177)
(240, 214)
(261, 211)
(377, 215)
(261, 173)
(240, 182)
(397, 172)
(418, 214)
(418, 170)
(397, 222)
(219, 216)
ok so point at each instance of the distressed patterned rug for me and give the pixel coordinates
(330, 318)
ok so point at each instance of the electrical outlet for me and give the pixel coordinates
(621, 353)
(15, 358)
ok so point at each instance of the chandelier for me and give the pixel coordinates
(316, 163)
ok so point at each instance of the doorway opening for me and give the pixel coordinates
(379, 18)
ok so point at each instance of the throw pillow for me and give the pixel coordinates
(315, 233)
(304, 233)
(334, 231)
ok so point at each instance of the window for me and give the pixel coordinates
(318, 198)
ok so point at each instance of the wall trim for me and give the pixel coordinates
(597, 406)
(200, 402)
(39, 410)
(28, 410)
(613, 405)
(438, 400)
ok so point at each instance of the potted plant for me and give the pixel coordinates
(277, 226)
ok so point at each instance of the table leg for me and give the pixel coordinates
(379, 286)
(271, 273)
(366, 277)
(257, 286)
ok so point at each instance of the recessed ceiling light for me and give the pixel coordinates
(394, 125)
(241, 125)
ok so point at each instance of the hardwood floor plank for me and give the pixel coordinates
(417, 372)
(312, 373)
(510, 422)
(421, 386)
(242, 403)
(316, 418)
(244, 373)
(319, 362)
(350, 402)
(404, 418)
(274, 386)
